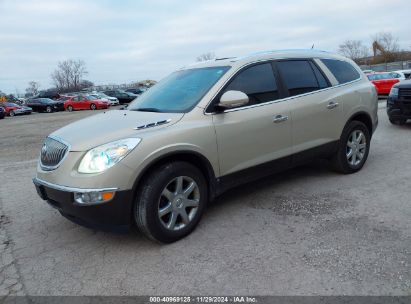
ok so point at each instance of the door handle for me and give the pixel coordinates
(280, 118)
(332, 105)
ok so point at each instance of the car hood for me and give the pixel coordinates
(405, 84)
(109, 126)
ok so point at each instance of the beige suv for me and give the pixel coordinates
(204, 129)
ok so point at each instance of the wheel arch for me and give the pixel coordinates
(363, 117)
(196, 159)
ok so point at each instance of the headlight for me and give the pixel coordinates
(101, 158)
(394, 92)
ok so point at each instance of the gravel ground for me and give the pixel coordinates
(307, 231)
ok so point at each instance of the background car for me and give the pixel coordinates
(49, 94)
(383, 82)
(12, 109)
(122, 96)
(405, 74)
(45, 105)
(399, 103)
(85, 102)
(137, 91)
(99, 95)
(2, 112)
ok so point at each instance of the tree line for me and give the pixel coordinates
(384, 47)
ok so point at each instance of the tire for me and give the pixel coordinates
(399, 121)
(70, 108)
(11, 113)
(49, 109)
(344, 163)
(150, 199)
(93, 106)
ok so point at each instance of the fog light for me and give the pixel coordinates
(94, 197)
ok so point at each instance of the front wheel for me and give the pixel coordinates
(170, 202)
(49, 109)
(93, 106)
(353, 148)
(11, 113)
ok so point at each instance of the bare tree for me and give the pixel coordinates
(206, 56)
(69, 75)
(387, 41)
(353, 49)
(32, 89)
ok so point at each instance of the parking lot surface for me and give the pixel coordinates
(306, 231)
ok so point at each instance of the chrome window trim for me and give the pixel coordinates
(38, 181)
(277, 100)
(51, 168)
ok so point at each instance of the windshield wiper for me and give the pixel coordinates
(147, 110)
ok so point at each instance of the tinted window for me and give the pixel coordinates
(257, 82)
(322, 81)
(342, 71)
(299, 76)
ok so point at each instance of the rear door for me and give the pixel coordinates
(317, 114)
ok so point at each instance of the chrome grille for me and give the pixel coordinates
(52, 153)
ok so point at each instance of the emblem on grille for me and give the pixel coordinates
(52, 153)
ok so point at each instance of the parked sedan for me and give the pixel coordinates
(137, 91)
(122, 96)
(2, 112)
(112, 100)
(12, 109)
(383, 82)
(85, 102)
(45, 105)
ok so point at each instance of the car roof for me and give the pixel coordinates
(266, 55)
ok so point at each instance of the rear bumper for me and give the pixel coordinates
(113, 216)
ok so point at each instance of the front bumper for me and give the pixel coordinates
(398, 108)
(114, 215)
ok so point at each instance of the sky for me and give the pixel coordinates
(126, 41)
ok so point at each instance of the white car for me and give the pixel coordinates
(402, 74)
(112, 100)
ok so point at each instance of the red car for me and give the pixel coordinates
(84, 102)
(383, 82)
(12, 109)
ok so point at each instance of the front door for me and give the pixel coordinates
(258, 132)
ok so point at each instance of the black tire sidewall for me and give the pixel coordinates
(342, 158)
(145, 211)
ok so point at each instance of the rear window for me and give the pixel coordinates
(343, 71)
(300, 76)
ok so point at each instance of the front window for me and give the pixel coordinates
(180, 91)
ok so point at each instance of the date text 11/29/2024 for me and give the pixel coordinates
(205, 299)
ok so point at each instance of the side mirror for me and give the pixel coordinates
(232, 99)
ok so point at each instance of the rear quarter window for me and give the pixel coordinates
(343, 71)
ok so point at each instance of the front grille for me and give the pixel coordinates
(52, 153)
(405, 94)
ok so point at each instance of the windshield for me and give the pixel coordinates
(180, 91)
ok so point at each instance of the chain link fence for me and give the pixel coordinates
(388, 67)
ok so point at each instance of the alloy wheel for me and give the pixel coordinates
(356, 147)
(178, 203)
